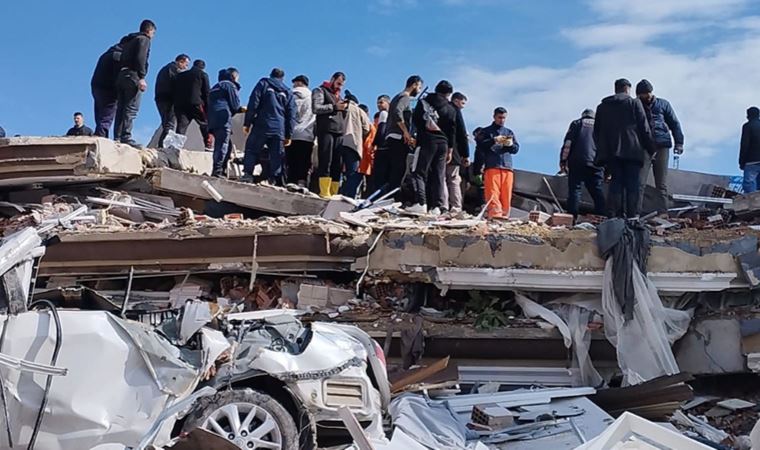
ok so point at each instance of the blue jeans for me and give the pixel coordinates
(751, 175)
(593, 178)
(350, 159)
(254, 145)
(624, 188)
(221, 150)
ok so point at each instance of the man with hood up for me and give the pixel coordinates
(577, 160)
(663, 122)
(330, 110)
(352, 145)
(298, 153)
(269, 120)
(435, 120)
(623, 140)
(223, 103)
(103, 85)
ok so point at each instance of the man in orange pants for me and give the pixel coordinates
(495, 146)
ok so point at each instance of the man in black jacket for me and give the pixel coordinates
(749, 153)
(577, 160)
(79, 128)
(165, 94)
(460, 158)
(103, 85)
(190, 99)
(435, 120)
(131, 81)
(330, 109)
(623, 140)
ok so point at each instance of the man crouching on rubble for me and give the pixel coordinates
(496, 145)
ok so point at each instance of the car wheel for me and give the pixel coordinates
(247, 418)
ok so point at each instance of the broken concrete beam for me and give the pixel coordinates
(64, 160)
(253, 196)
(321, 297)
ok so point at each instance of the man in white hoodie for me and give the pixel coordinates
(298, 153)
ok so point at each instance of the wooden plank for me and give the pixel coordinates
(253, 196)
(420, 375)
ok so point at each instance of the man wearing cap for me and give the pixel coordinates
(623, 141)
(749, 152)
(577, 160)
(298, 153)
(663, 122)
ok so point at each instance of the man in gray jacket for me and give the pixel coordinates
(330, 109)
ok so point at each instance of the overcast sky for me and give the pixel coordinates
(544, 60)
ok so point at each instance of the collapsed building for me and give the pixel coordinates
(519, 301)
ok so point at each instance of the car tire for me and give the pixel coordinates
(243, 401)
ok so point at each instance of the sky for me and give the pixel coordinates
(544, 60)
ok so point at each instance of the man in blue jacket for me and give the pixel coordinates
(663, 122)
(269, 121)
(577, 160)
(495, 146)
(223, 103)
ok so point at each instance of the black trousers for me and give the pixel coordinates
(168, 119)
(186, 114)
(593, 179)
(428, 175)
(328, 148)
(298, 158)
(623, 200)
(390, 165)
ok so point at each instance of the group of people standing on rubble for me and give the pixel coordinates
(415, 148)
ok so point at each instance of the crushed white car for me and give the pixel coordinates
(73, 379)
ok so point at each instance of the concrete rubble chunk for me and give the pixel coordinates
(321, 297)
(735, 404)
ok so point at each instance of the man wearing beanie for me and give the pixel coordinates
(749, 154)
(577, 160)
(623, 141)
(663, 122)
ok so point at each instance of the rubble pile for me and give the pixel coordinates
(493, 334)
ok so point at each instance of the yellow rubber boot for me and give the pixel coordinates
(324, 187)
(334, 187)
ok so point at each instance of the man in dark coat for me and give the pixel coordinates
(103, 85)
(165, 94)
(435, 120)
(330, 110)
(460, 158)
(269, 120)
(663, 122)
(131, 83)
(190, 99)
(623, 140)
(223, 103)
(577, 160)
(79, 128)
(749, 152)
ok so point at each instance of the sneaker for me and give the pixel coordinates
(246, 179)
(435, 212)
(416, 209)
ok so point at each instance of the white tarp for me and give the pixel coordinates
(643, 343)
